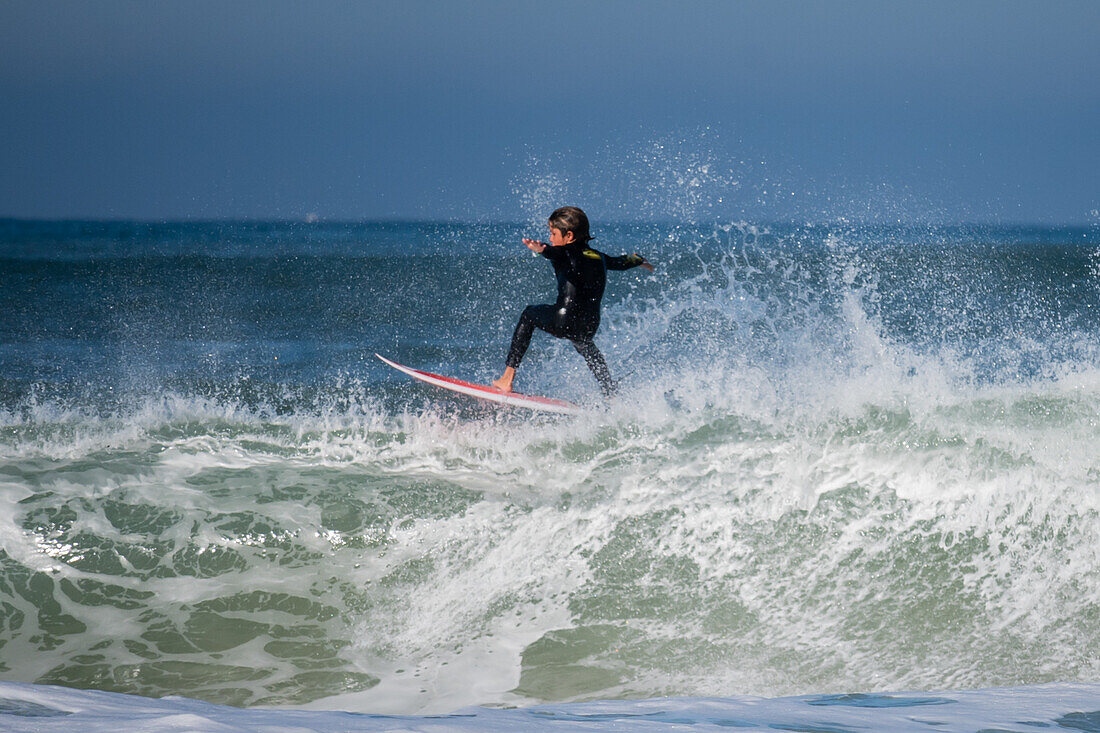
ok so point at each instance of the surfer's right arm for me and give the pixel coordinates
(548, 251)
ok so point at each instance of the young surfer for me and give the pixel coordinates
(582, 274)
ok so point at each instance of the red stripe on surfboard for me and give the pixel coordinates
(491, 390)
(485, 389)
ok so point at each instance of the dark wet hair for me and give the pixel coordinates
(571, 219)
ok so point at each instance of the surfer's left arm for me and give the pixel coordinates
(625, 262)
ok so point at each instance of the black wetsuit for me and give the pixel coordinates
(582, 274)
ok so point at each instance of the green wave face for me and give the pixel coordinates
(638, 552)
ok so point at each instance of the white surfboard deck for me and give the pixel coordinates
(485, 392)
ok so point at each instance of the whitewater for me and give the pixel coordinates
(850, 480)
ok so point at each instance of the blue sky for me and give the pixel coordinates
(881, 111)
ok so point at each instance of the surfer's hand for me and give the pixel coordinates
(644, 263)
(535, 246)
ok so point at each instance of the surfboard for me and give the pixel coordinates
(486, 392)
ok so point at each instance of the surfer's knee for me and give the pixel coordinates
(530, 316)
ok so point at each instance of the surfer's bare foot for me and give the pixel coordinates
(504, 384)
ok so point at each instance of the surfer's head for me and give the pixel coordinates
(571, 219)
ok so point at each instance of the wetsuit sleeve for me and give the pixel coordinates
(623, 262)
(553, 253)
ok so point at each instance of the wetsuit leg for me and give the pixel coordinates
(595, 361)
(546, 318)
(534, 316)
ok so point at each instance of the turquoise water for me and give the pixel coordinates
(845, 460)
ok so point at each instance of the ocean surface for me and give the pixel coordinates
(846, 463)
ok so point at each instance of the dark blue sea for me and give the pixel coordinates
(851, 479)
